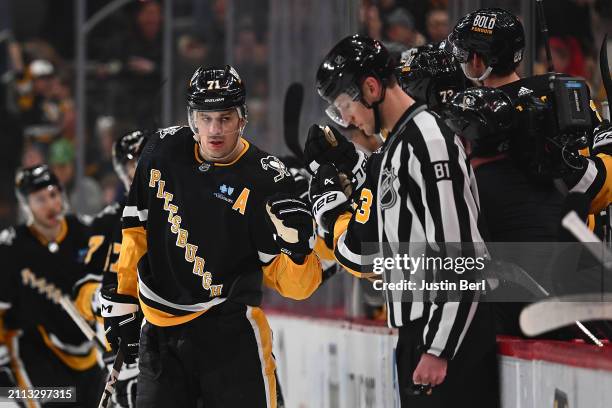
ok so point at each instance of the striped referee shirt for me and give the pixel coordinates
(420, 196)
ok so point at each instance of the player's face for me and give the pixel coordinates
(350, 112)
(46, 206)
(218, 132)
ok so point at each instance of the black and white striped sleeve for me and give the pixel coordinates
(451, 215)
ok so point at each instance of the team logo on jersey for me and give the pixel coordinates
(388, 193)
(168, 131)
(226, 189)
(483, 23)
(273, 163)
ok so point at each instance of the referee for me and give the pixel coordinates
(419, 192)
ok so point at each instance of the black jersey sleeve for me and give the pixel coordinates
(8, 280)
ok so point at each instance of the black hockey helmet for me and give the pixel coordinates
(31, 179)
(345, 67)
(495, 34)
(430, 75)
(217, 89)
(484, 116)
(126, 148)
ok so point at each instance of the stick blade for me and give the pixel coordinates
(558, 312)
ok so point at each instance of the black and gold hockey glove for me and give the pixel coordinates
(327, 197)
(602, 139)
(326, 145)
(292, 225)
(121, 322)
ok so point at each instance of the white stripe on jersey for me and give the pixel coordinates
(196, 307)
(132, 211)
(587, 179)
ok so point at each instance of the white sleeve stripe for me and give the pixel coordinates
(265, 258)
(5, 305)
(132, 211)
(447, 321)
(587, 179)
(89, 277)
(357, 259)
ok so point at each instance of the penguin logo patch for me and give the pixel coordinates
(273, 163)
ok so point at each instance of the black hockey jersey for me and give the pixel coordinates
(34, 275)
(102, 257)
(596, 182)
(195, 233)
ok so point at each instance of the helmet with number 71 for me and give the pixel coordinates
(216, 89)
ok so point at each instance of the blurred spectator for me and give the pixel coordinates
(32, 156)
(567, 57)
(86, 199)
(39, 112)
(400, 29)
(141, 60)
(372, 21)
(437, 25)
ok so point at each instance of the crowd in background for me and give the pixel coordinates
(124, 72)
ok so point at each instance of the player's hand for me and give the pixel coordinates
(327, 197)
(431, 370)
(121, 322)
(326, 145)
(291, 223)
(602, 139)
(302, 179)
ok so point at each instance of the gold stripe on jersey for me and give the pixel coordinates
(160, 318)
(603, 198)
(83, 300)
(60, 236)
(245, 147)
(292, 280)
(133, 247)
(263, 336)
(323, 251)
(77, 363)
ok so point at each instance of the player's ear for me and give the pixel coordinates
(371, 89)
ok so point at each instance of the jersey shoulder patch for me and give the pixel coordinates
(273, 165)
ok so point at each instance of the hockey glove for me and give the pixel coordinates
(292, 225)
(602, 139)
(327, 197)
(328, 145)
(125, 389)
(121, 322)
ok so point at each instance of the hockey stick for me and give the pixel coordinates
(109, 387)
(576, 226)
(76, 317)
(291, 118)
(558, 312)
(606, 78)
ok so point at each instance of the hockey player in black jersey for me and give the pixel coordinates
(102, 259)
(517, 204)
(209, 218)
(419, 192)
(42, 261)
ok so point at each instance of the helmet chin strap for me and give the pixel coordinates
(484, 76)
(375, 107)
